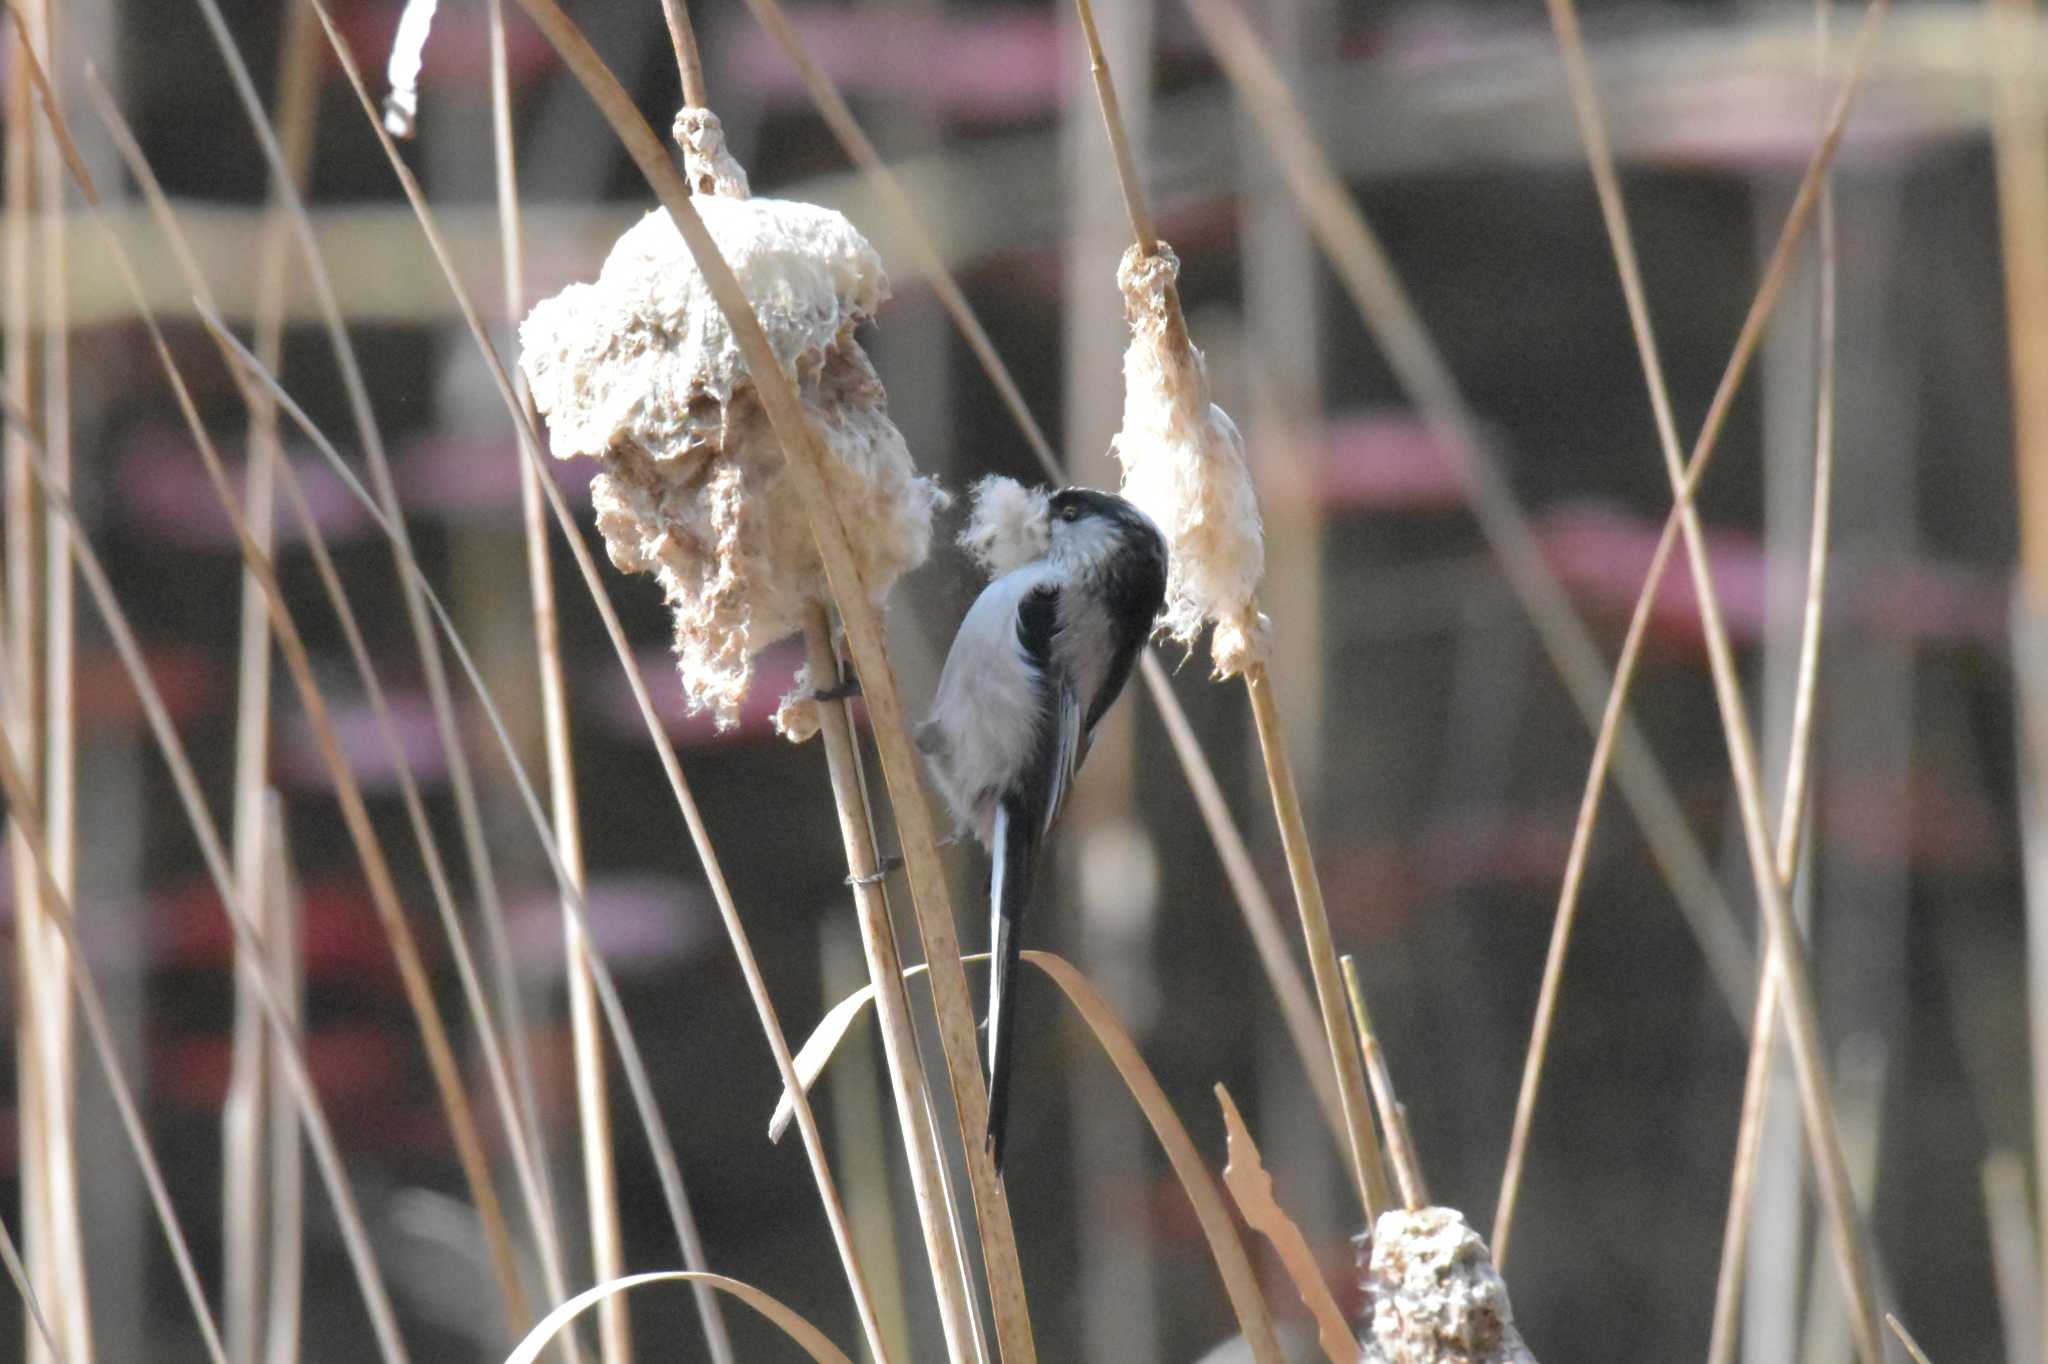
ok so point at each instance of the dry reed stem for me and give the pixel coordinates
(48, 992)
(528, 1156)
(469, 818)
(286, 1172)
(1756, 1094)
(1251, 1188)
(593, 1108)
(1367, 275)
(1809, 1061)
(383, 889)
(244, 1116)
(1751, 332)
(808, 1337)
(1368, 1168)
(689, 64)
(24, 150)
(248, 937)
(185, 782)
(663, 1150)
(21, 808)
(1269, 937)
(907, 1081)
(647, 150)
(10, 1254)
(1400, 1150)
(1906, 1339)
(547, 631)
(1362, 1145)
(1254, 903)
(878, 681)
(1116, 1042)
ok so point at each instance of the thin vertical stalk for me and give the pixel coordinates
(354, 1235)
(900, 764)
(1809, 1061)
(242, 1120)
(286, 931)
(1756, 1087)
(1368, 1170)
(600, 1175)
(468, 815)
(50, 993)
(1400, 1150)
(689, 64)
(24, 683)
(907, 1081)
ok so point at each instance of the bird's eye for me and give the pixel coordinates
(1070, 513)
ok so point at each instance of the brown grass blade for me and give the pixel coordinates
(1756, 1093)
(907, 1081)
(355, 1237)
(1368, 276)
(1251, 1188)
(900, 763)
(1809, 1060)
(468, 817)
(630, 1060)
(22, 717)
(689, 65)
(1260, 917)
(1123, 1053)
(48, 992)
(527, 1159)
(1393, 1118)
(447, 1076)
(10, 1254)
(665, 750)
(600, 1174)
(21, 807)
(808, 1337)
(252, 1088)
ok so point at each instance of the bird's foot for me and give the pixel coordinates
(845, 691)
(893, 863)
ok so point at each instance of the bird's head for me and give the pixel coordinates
(1090, 528)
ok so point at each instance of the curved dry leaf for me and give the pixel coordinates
(1116, 1042)
(809, 1337)
(1251, 1188)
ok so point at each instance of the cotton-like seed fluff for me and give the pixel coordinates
(1010, 525)
(1184, 466)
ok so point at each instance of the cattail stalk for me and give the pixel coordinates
(907, 1081)
(1367, 1167)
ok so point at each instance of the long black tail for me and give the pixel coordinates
(1009, 893)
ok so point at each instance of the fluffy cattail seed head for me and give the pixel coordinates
(1183, 465)
(641, 371)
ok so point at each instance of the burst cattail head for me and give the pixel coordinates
(1435, 1296)
(1010, 526)
(1183, 465)
(640, 371)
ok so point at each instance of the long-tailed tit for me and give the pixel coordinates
(1041, 655)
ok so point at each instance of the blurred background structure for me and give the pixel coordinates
(1441, 756)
